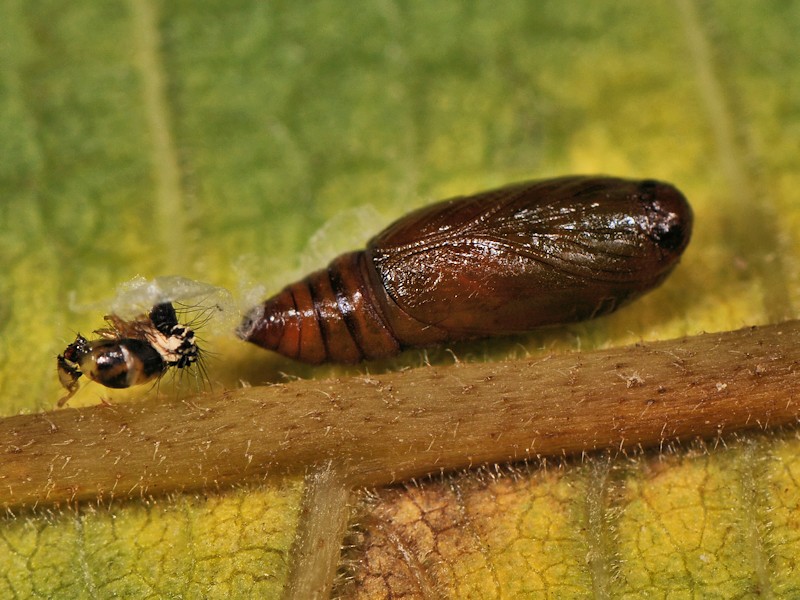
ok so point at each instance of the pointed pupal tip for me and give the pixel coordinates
(250, 323)
(274, 324)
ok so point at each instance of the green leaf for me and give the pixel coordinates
(212, 140)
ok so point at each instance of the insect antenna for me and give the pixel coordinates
(197, 316)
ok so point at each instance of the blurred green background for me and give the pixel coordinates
(213, 139)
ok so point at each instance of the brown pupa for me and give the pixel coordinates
(499, 262)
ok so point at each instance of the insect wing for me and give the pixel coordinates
(531, 254)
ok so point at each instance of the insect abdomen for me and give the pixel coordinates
(330, 315)
(505, 261)
(122, 363)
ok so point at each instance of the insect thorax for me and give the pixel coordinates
(178, 349)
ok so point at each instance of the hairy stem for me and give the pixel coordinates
(379, 429)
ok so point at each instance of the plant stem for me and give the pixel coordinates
(385, 428)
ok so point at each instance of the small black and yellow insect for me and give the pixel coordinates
(129, 352)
